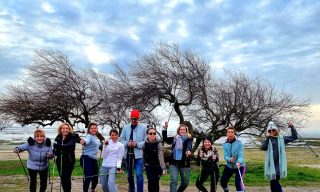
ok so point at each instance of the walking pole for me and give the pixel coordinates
(53, 167)
(24, 169)
(308, 145)
(241, 179)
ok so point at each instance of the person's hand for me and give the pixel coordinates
(119, 170)
(82, 142)
(165, 127)
(238, 164)
(201, 154)
(290, 124)
(232, 159)
(105, 142)
(132, 144)
(164, 172)
(188, 153)
(214, 157)
(49, 155)
(16, 150)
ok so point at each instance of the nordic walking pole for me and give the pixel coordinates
(54, 163)
(241, 178)
(308, 145)
(24, 169)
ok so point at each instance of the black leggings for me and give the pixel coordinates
(227, 174)
(33, 180)
(65, 175)
(90, 168)
(204, 174)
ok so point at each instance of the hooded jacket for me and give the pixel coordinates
(37, 153)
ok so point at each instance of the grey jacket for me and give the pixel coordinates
(37, 154)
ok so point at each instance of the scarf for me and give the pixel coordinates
(269, 167)
(178, 148)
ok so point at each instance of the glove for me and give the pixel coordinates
(49, 155)
(48, 142)
(31, 141)
(16, 150)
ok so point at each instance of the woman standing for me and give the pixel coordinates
(179, 159)
(40, 150)
(234, 156)
(275, 166)
(209, 158)
(64, 147)
(89, 160)
(112, 154)
(153, 159)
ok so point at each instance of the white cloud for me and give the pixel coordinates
(182, 29)
(47, 7)
(96, 55)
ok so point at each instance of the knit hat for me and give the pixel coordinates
(135, 114)
(271, 125)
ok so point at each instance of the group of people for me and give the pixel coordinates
(142, 150)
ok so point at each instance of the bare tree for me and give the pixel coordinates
(168, 74)
(247, 104)
(54, 90)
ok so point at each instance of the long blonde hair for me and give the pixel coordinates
(63, 124)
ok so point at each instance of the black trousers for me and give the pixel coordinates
(213, 172)
(33, 180)
(153, 174)
(275, 185)
(65, 173)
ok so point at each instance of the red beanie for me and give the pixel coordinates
(135, 114)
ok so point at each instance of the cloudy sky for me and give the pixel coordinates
(279, 40)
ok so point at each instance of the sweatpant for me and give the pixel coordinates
(33, 180)
(90, 168)
(227, 174)
(204, 174)
(275, 185)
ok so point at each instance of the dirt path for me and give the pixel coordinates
(20, 184)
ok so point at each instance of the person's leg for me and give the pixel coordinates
(104, 178)
(87, 165)
(227, 173)
(112, 179)
(66, 177)
(139, 174)
(33, 180)
(185, 177)
(129, 169)
(275, 185)
(201, 179)
(173, 177)
(43, 180)
(95, 172)
(214, 178)
(153, 176)
(238, 180)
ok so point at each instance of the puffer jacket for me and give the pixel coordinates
(37, 153)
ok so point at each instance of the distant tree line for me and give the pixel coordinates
(55, 90)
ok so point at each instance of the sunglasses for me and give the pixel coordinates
(134, 119)
(152, 133)
(271, 130)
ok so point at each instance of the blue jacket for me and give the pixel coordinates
(37, 154)
(91, 147)
(139, 136)
(233, 149)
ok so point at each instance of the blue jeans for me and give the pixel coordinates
(108, 179)
(137, 164)
(184, 175)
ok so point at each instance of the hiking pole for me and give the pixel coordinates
(308, 145)
(54, 164)
(241, 179)
(24, 169)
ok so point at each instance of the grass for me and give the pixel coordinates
(302, 169)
